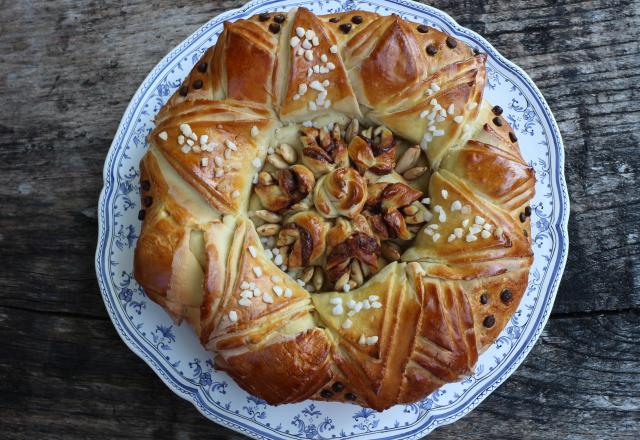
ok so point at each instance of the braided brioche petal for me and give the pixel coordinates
(230, 147)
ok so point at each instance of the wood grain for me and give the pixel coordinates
(68, 70)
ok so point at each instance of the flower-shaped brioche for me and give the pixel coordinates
(290, 186)
(323, 151)
(383, 209)
(304, 236)
(351, 240)
(374, 151)
(342, 192)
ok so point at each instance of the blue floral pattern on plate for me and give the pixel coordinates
(174, 352)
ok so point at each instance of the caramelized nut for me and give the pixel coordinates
(408, 160)
(344, 279)
(352, 130)
(307, 274)
(390, 251)
(356, 273)
(318, 278)
(277, 161)
(417, 213)
(287, 152)
(268, 230)
(268, 216)
(301, 206)
(414, 173)
(265, 178)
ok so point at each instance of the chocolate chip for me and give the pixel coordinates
(523, 218)
(527, 211)
(202, 67)
(264, 16)
(484, 298)
(350, 396)
(451, 43)
(147, 201)
(513, 137)
(476, 51)
(334, 19)
(141, 214)
(345, 28)
(183, 90)
(497, 110)
(145, 185)
(497, 121)
(197, 84)
(489, 321)
(337, 387)
(326, 393)
(524, 231)
(274, 28)
(506, 296)
(280, 18)
(356, 19)
(423, 28)
(432, 50)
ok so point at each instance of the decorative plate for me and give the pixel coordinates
(174, 352)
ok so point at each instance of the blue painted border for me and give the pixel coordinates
(429, 422)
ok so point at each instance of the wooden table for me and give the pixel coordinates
(68, 70)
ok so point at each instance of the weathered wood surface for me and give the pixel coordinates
(69, 68)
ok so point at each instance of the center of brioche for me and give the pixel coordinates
(335, 204)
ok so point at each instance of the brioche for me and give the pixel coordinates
(334, 208)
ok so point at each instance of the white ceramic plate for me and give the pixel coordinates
(175, 354)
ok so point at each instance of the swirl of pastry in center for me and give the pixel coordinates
(342, 192)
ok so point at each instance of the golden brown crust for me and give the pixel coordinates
(225, 179)
(290, 371)
(415, 324)
(339, 95)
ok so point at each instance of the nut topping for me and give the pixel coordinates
(265, 178)
(352, 130)
(307, 274)
(356, 273)
(414, 173)
(390, 251)
(268, 216)
(277, 161)
(318, 278)
(326, 216)
(287, 152)
(374, 152)
(408, 160)
(268, 229)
